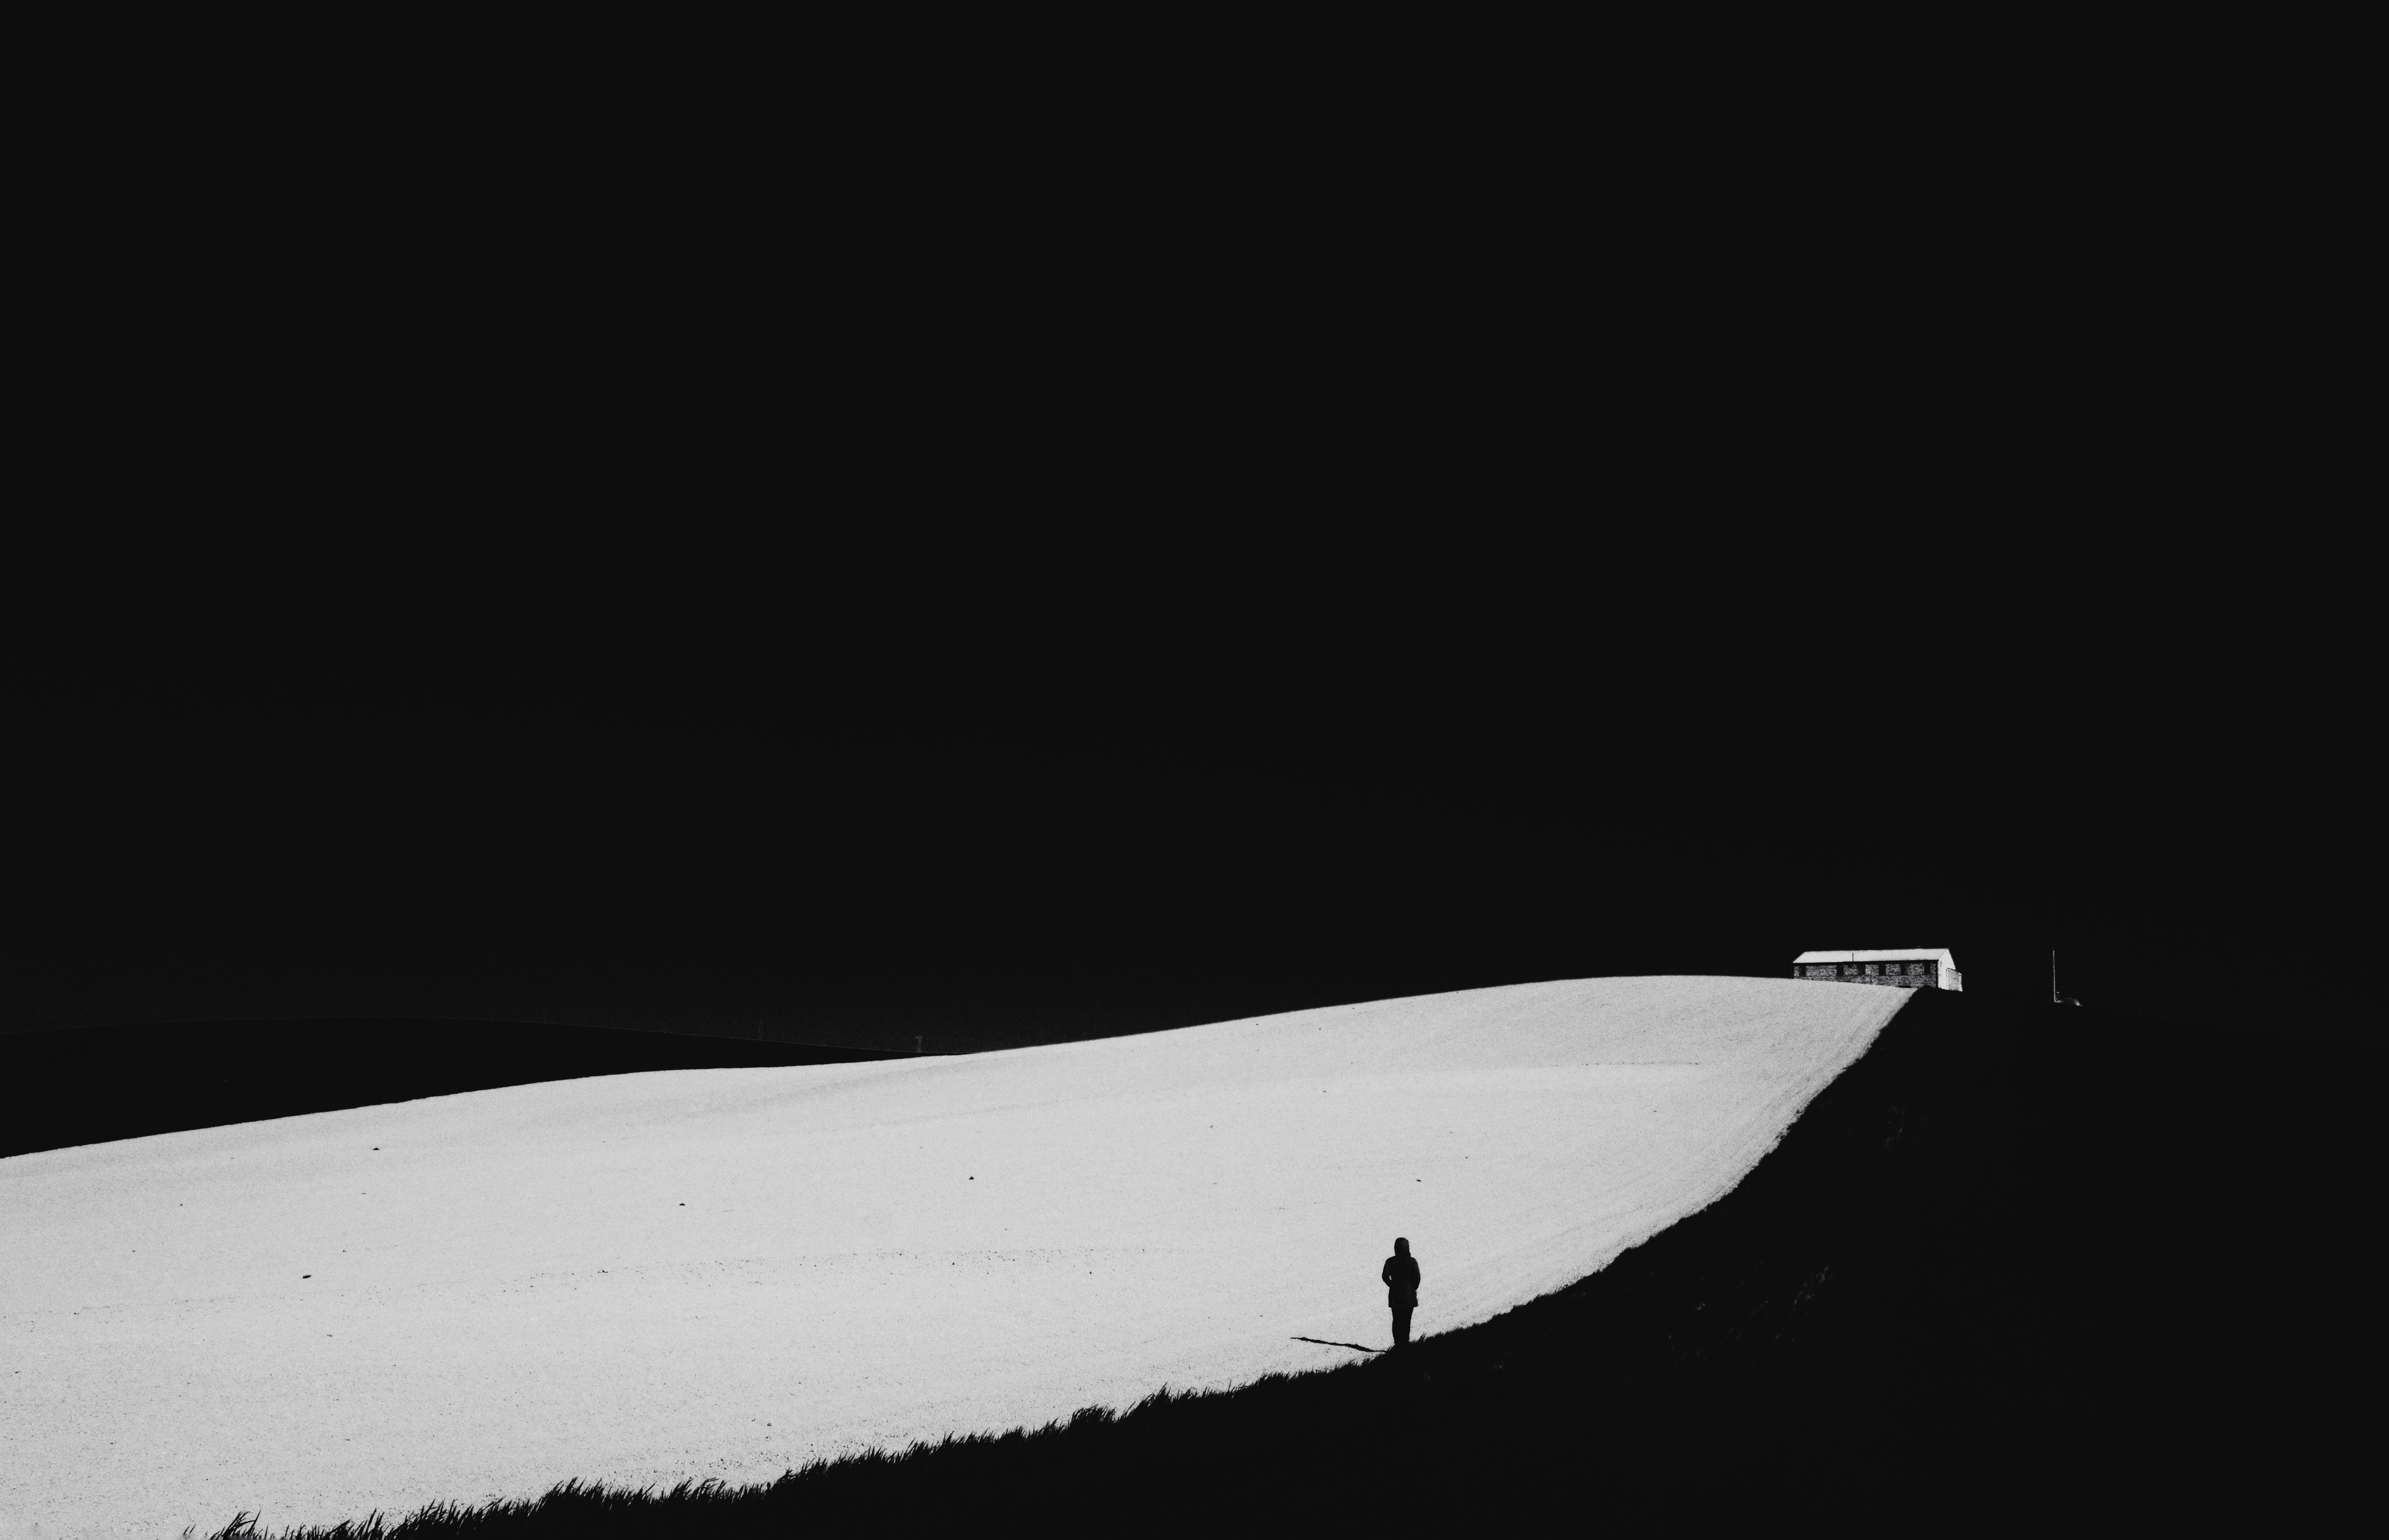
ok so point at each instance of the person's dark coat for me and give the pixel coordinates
(1400, 1277)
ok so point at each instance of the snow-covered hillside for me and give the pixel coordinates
(644, 1278)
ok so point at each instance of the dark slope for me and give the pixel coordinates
(2215, 1277)
(87, 1085)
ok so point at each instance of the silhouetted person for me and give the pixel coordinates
(1400, 1277)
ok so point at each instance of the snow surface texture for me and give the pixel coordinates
(697, 1273)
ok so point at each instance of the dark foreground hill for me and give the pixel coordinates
(1972, 1291)
(87, 1085)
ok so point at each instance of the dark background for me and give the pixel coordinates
(987, 591)
(1016, 822)
(976, 587)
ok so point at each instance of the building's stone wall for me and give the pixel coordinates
(1904, 975)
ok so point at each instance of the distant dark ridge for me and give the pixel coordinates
(1857, 1333)
(91, 1084)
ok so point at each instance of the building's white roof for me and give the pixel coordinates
(1940, 953)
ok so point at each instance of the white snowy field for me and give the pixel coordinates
(644, 1278)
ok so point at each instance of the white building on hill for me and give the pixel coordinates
(1916, 968)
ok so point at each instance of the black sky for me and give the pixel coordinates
(854, 628)
(853, 803)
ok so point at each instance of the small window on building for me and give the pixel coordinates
(1872, 970)
(1916, 970)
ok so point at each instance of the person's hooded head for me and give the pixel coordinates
(1401, 1246)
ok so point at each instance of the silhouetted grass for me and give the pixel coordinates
(1859, 1333)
